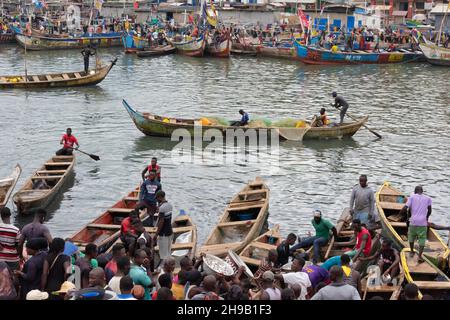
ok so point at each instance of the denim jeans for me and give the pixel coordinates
(362, 216)
(316, 242)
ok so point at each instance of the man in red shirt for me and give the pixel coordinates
(68, 141)
(152, 167)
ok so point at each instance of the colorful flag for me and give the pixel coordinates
(136, 5)
(303, 19)
(98, 4)
(212, 15)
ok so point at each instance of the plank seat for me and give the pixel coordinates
(131, 199)
(253, 192)
(46, 177)
(398, 224)
(48, 77)
(437, 285)
(263, 245)
(383, 288)
(179, 246)
(58, 163)
(392, 205)
(249, 260)
(236, 207)
(120, 210)
(77, 75)
(104, 226)
(51, 171)
(236, 223)
(35, 78)
(65, 76)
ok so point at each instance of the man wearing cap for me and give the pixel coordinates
(67, 288)
(323, 228)
(270, 292)
(341, 104)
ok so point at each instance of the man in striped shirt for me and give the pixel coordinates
(9, 240)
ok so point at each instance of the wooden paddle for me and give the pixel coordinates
(350, 116)
(93, 156)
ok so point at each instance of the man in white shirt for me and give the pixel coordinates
(123, 268)
(297, 276)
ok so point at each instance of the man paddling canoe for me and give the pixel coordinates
(68, 141)
(340, 104)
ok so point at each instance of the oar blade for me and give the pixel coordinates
(94, 157)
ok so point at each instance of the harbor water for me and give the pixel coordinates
(408, 104)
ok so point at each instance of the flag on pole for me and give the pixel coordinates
(302, 16)
(98, 4)
(212, 15)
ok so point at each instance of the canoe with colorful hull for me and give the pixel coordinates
(258, 249)
(7, 185)
(436, 55)
(426, 276)
(156, 51)
(57, 80)
(192, 48)
(241, 222)
(313, 55)
(7, 38)
(153, 125)
(219, 50)
(389, 202)
(37, 42)
(55, 173)
(133, 43)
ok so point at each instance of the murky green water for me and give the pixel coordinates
(408, 104)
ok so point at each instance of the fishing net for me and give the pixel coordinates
(218, 121)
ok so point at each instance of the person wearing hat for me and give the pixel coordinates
(323, 228)
(244, 119)
(270, 292)
(341, 104)
(37, 295)
(31, 274)
(67, 288)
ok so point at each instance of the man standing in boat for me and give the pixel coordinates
(362, 201)
(87, 52)
(68, 141)
(341, 104)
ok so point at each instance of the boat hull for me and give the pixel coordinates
(193, 48)
(133, 44)
(223, 50)
(276, 52)
(155, 52)
(7, 185)
(435, 55)
(7, 38)
(158, 128)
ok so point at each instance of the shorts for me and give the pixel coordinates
(165, 246)
(362, 216)
(419, 233)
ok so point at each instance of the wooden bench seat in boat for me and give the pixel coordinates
(262, 245)
(131, 199)
(48, 77)
(244, 207)
(236, 223)
(120, 210)
(383, 288)
(392, 205)
(31, 194)
(176, 230)
(396, 217)
(65, 76)
(250, 260)
(398, 224)
(46, 177)
(58, 163)
(252, 192)
(220, 246)
(77, 75)
(180, 246)
(438, 285)
(51, 171)
(35, 78)
(104, 226)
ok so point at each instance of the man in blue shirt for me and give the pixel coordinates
(244, 119)
(149, 188)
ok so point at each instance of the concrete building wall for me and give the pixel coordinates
(243, 17)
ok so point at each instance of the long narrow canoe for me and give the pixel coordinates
(241, 222)
(191, 48)
(313, 55)
(286, 52)
(7, 185)
(154, 125)
(425, 275)
(65, 79)
(45, 42)
(439, 56)
(389, 202)
(156, 51)
(105, 229)
(7, 38)
(55, 172)
(221, 50)
(259, 248)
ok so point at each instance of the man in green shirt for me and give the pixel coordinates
(140, 272)
(323, 228)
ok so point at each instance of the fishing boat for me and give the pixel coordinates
(285, 50)
(41, 42)
(7, 38)
(241, 222)
(219, 50)
(259, 248)
(314, 55)
(133, 43)
(191, 47)
(65, 79)
(389, 202)
(45, 183)
(156, 51)
(244, 46)
(153, 125)
(105, 229)
(436, 55)
(425, 275)
(7, 185)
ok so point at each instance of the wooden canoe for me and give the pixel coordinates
(241, 222)
(285, 52)
(389, 202)
(157, 51)
(192, 48)
(7, 38)
(439, 56)
(55, 172)
(65, 79)
(154, 125)
(383, 290)
(7, 185)
(221, 50)
(425, 275)
(259, 248)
